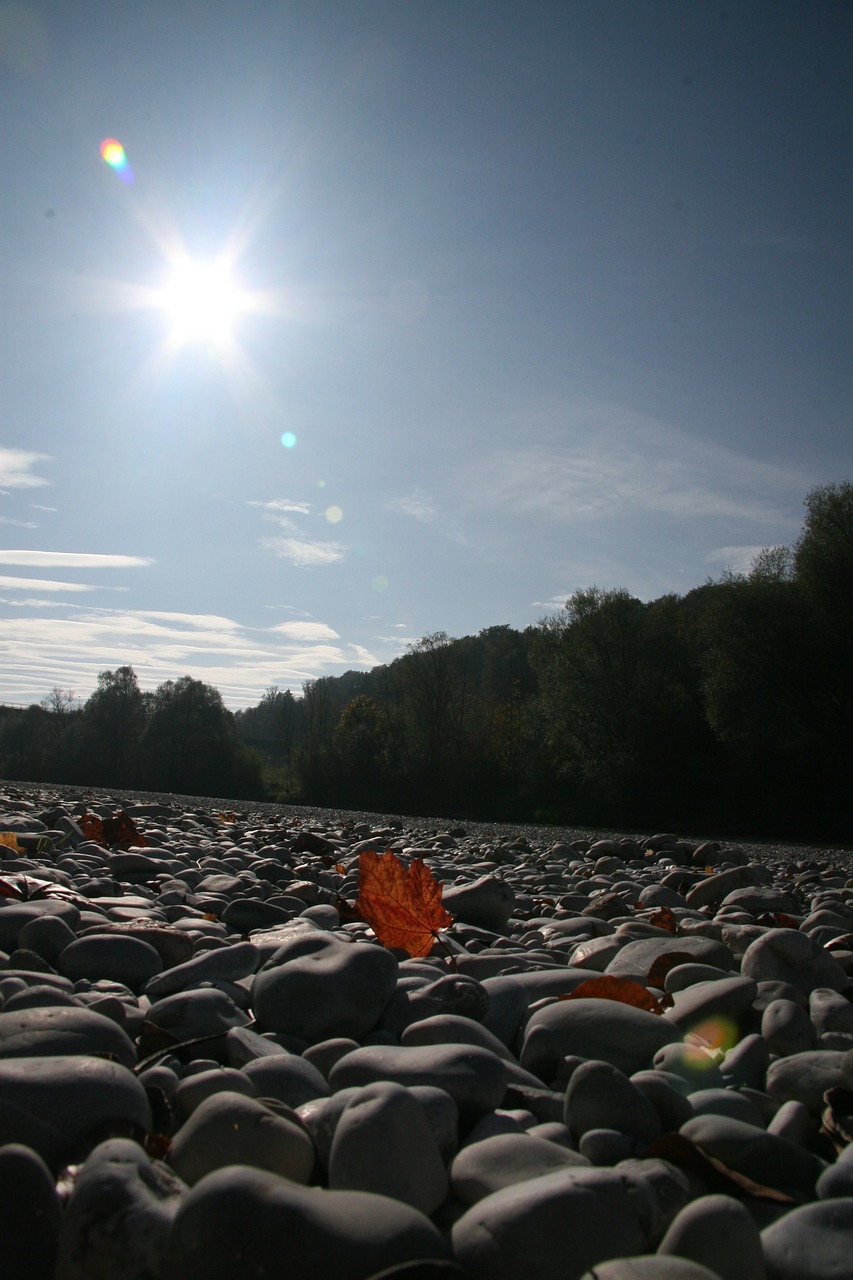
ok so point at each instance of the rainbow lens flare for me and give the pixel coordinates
(113, 152)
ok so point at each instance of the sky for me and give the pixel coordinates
(404, 316)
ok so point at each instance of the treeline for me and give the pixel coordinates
(729, 708)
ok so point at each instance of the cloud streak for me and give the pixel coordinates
(304, 553)
(72, 560)
(16, 469)
(594, 462)
(40, 584)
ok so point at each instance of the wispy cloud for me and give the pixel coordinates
(738, 559)
(303, 552)
(594, 461)
(305, 631)
(72, 560)
(40, 584)
(38, 652)
(417, 504)
(16, 469)
(20, 524)
(283, 506)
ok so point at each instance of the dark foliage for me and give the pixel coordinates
(729, 708)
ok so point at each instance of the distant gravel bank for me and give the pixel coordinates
(536, 835)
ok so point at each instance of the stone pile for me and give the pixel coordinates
(210, 1071)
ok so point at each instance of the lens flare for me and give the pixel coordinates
(114, 154)
(334, 514)
(288, 439)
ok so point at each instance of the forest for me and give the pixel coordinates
(728, 709)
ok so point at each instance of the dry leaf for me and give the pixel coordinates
(625, 990)
(688, 1155)
(119, 830)
(8, 839)
(667, 960)
(402, 905)
(664, 919)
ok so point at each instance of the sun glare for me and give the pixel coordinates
(201, 301)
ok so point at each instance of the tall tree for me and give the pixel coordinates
(114, 719)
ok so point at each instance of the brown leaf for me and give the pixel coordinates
(664, 919)
(687, 1155)
(8, 839)
(625, 990)
(118, 830)
(402, 905)
(9, 890)
(665, 961)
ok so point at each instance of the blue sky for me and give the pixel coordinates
(537, 295)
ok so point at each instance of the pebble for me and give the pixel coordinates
(304, 1093)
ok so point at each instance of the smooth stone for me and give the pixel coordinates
(761, 1156)
(666, 1094)
(324, 1055)
(190, 1092)
(245, 914)
(226, 963)
(117, 1220)
(189, 1015)
(243, 1045)
(650, 1266)
(805, 1077)
(47, 935)
(608, 1030)
(110, 955)
(448, 1028)
(787, 1028)
(758, 899)
(286, 1077)
(697, 1067)
(322, 1116)
(505, 1159)
(681, 976)
(228, 1128)
(56, 1030)
(553, 1227)
(14, 915)
(605, 1148)
(720, 1233)
(40, 996)
(812, 1242)
(600, 1096)
(786, 955)
(636, 958)
(172, 945)
(830, 1012)
(63, 1106)
(487, 902)
(729, 999)
(475, 1078)
(837, 1180)
(317, 986)
(383, 1143)
(453, 993)
(233, 1222)
(508, 1004)
(726, 1102)
(711, 891)
(30, 1214)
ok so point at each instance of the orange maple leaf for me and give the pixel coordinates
(9, 841)
(401, 904)
(665, 919)
(608, 987)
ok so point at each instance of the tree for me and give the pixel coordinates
(60, 702)
(191, 742)
(115, 717)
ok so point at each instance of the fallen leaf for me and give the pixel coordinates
(664, 919)
(689, 1156)
(7, 838)
(119, 830)
(9, 890)
(667, 960)
(625, 990)
(402, 905)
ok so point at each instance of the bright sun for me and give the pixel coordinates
(201, 301)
